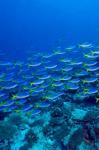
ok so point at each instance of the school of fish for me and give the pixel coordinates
(32, 86)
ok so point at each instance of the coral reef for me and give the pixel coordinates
(63, 127)
(30, 138)
(7, 131)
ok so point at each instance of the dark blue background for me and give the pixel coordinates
(45, 24)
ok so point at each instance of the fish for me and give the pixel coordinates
(44, 77)
(58, 52)
(8, 103)
(72, 86)
(81, 73)
(45, 104)
(76, 63)
(10, 86)
(53, 96)
(64, 60)
(51, 67)
(35, 112)
(35, 64)
(95, 52)
(70, 48)
(93, 69)
(38, 82)
(48, 56)
(97, 99)
(90, 64)
(68, 68)
(91, 56)
(85, 45)
(91, 91)
(39, 90)
(66, 78)
(21, 101)
(57, 84)
(75, 80)
(21, 95)
(27, 108)
(5, 64)
(90, 80)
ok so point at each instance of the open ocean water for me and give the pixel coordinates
(49, 75)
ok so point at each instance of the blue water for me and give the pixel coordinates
(42, 106)
(45, 24)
